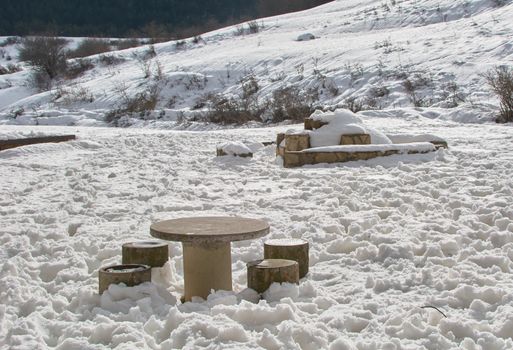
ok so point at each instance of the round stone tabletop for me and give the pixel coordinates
(209, 229)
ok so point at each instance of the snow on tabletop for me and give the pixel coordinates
(402, 147)
(340, 122)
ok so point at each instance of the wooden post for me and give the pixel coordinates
(131, 275)
(290, 249)
(262, 273)
(152, 253)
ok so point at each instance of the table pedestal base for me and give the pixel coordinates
(206, 268)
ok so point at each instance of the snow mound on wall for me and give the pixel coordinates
(342, 121)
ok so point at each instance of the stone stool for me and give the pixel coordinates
(291, 249)
(262, 273)
(152, 253)
(130, 274)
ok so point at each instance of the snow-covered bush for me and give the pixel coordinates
(305, 37)
(500, 80)
(9, 69)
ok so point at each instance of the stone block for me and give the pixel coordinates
(297, 142)
(355, 139)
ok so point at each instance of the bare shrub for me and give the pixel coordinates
(354, 104)
(127, 43)
(197, 39)
(451, 93)
(15, 113)
(500, 80)
(224, 110)
(11, 40)
(72, 95)
(40, 80)
(109, 60)
(141, 103)
(180, 44)
(254, 27)
(499, 3)
(379, 91)
(79, 67)
(45, 54)
(89, 47)
(9, 69)
(412, 84)
(239, 30)
(289, 103)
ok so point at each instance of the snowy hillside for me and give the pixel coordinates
(368, 54)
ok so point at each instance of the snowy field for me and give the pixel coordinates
(388, 237)
(407, 252)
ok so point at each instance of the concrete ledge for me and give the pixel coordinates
(6, 144)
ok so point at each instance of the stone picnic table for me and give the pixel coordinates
(206, 242)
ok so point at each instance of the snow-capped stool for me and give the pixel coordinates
(262, 273)
(131, 275)
(290, 249)
(152, 253)
(237, 149)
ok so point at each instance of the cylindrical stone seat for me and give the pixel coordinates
(262, 273)
(129, 274)
(152, 253)
(290, 249)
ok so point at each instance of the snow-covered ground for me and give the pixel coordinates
(363, 50)
(387, 236)
(406, 252)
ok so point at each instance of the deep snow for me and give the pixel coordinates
(388, 236)
(391, 239)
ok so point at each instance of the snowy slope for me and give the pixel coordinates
(363, 50)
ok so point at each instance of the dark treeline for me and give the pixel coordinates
(135, 18)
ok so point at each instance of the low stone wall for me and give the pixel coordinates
(295, 144)
(296, 159)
